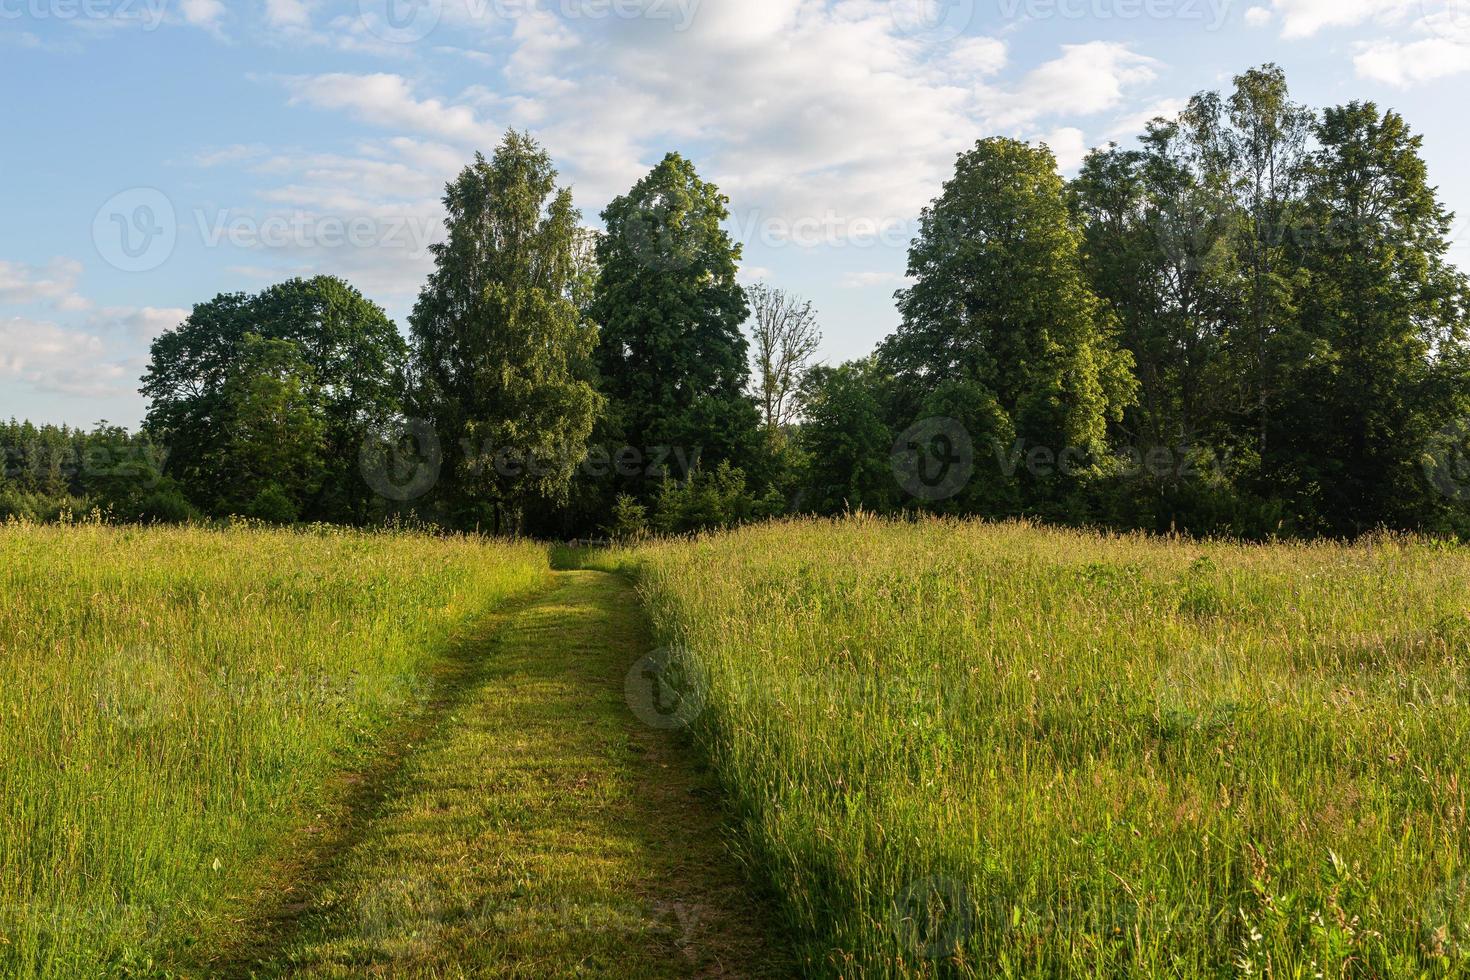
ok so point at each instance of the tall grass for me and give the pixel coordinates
(174, 701)
(970, 750)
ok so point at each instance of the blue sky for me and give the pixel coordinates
(154, 153)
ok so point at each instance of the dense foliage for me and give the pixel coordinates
(1244, 325)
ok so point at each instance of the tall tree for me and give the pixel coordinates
(1253, 147)
(1000, 303)
(355, 355)
(673, 358)
(1157, 248)
(503, 355)
(786, 339)
(1386, 319)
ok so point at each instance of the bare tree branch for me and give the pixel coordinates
(786, 338)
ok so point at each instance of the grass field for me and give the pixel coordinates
(177, 703)
(949, 749)
(968, 750)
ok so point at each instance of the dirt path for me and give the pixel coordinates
(541, 831)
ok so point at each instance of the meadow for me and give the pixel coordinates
(178, 705)
(941, 749)
(968, 750)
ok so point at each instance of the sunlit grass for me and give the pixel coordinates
(174, 701)
(971, 750)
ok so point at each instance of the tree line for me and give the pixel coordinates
(1246, 325)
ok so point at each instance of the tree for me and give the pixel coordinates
(1157, 249)
(354, 352)
(273, 457)
(786, 339)
(846, 439)
(1000, 302)
(1250, 150)
(673, 359)
(503, 356)
(1386, 319)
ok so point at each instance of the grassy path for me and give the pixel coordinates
(539, 831)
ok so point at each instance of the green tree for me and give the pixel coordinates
(1249, 152)
(672, 355)
(846, 439)
(1158, 249)
(503, 354)
(1386, 322)
(1000, 302)
(273, 457)
(356, 356)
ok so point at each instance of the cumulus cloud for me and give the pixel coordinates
(1069, 144)
(287, 14)
(388, 100)
(797, 108)
(100, 355)
(1305, 18)
(1407, 64)
(52, 358)
(1085, 80)
(53, 284)
(202, 13)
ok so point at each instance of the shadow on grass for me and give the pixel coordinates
(286, 892)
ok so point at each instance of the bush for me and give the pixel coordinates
(272, 506)
(629, 520)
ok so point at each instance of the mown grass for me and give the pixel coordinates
(971, 750)
(538, 831)
(175, 704)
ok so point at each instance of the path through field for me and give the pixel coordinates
(537, 829)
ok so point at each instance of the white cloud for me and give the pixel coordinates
(1135, 124)
(388, 100)
(1304, 18)
(1258, 16)
(287, 14)
(100, 356)
(202, 13)
(1087, 79)
(977, 55)
(1070, 147)
(1408, 64)
(52, 358)
(54, 284)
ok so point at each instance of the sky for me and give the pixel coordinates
(157, 153)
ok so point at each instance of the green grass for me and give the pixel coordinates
(538, 831)
(178, 705)
(970, 750)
